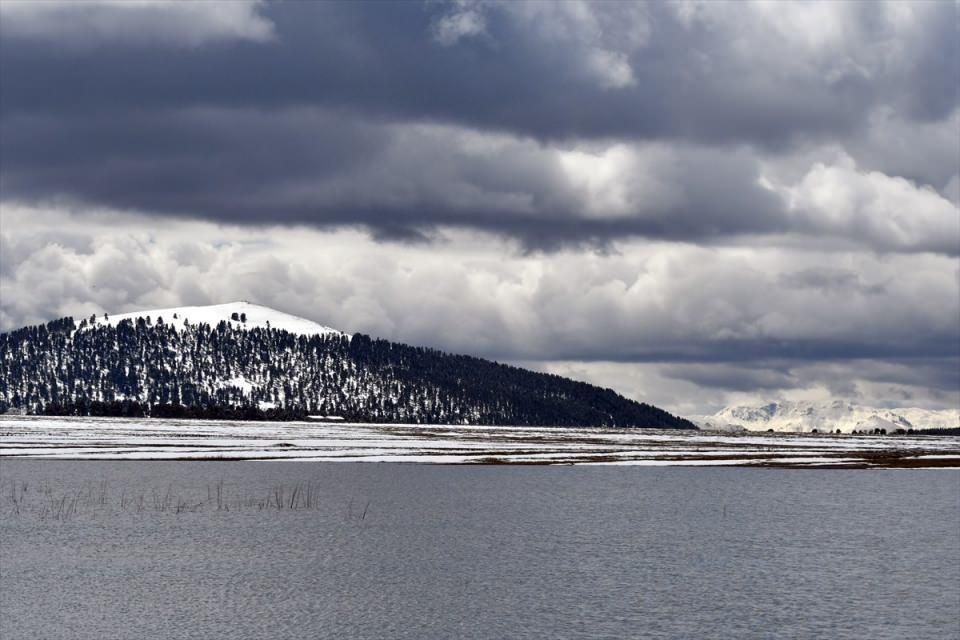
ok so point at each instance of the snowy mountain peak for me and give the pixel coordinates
(825, 417)
(241, 314)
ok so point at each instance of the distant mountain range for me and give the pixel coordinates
(242, 355)
(825, 417)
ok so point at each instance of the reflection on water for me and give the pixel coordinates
(281, 550)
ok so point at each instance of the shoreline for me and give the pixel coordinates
(44, 438)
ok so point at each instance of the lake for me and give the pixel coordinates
(187, 549)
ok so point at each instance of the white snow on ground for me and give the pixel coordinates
(825, 417)
(240, 383)
(153, 439)
(257, 316)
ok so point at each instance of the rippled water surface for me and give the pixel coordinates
(342, 550)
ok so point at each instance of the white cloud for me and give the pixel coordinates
(463, 21)
(608, 181)
(172, 22)
(890, 212)
(612, 68)
(825, 39)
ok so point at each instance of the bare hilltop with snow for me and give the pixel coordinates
(825, 417)
(240, 314)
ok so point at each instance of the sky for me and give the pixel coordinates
(694, 203)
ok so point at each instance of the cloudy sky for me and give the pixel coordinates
(695, 203)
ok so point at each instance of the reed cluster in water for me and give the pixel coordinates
(47, 502)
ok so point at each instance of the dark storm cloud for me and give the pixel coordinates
(304, 166)
(688, 78)
(945, 344)
(379, 59)
(939, 375)
(732, 377)
(206, 163)
(305, 121)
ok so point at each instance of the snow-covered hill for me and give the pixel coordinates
(256, 316)
(207, 362)
(824, 417)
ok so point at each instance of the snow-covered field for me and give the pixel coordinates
(154, 439)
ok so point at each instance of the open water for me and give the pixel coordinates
(186, 549)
